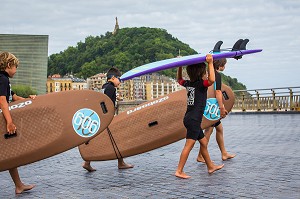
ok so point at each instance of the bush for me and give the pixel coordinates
(23, 91)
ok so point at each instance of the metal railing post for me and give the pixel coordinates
(243, 102)
(274, 100)
(258, 101)
(291, 99)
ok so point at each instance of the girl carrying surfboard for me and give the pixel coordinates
(196, 100)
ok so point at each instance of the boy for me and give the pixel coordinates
(8, 67)
(109, 88)
(219, 65)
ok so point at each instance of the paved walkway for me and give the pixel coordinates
(267, 165)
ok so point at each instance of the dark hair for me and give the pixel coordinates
(196, 71)
(220, 62)
(113, 72)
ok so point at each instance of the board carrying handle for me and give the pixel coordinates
(225, 95)
(8, 136)
(151, 124)
(103, 107)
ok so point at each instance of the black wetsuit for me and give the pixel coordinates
(110, 90)
(217, 86)
(5, 89)
(196, 101)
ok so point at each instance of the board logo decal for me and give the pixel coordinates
(212, 111)
(86, 122)
(191, 96)
(148, 104)
(20, 105)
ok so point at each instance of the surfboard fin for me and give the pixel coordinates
(243, 44)
(217, 47)
(236, 46)
(240, 45)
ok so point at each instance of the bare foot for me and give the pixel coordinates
(228, 156)
(200, 159)
(182, 175)
(88, 167)
(125, 166)
(215, 168)
(23, 188)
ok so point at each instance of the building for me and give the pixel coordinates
(148, 87)
(156, 89)
(95, 82)
(79, 84)
(145, 87)
(32, 51)
(56, 83)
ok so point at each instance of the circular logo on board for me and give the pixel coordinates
(86, 122)
(212, 111)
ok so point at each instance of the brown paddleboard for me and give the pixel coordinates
(51, 124)
(148, 126)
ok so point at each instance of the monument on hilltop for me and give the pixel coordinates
(116, 27)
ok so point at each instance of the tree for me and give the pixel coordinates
(129, 48)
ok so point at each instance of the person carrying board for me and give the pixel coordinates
(8, 68)
(196, 100)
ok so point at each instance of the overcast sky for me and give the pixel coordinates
(273, 26)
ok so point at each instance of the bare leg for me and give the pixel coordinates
(207, 133)
(123, 165)
(220, 141)
(87, 165)
(20, 187)
(211, 167)
(189, 144)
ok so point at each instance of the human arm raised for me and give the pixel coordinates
(211, 70)
(179, 73)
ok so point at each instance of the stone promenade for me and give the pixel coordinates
(267, 165)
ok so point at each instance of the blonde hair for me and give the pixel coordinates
(7, 58)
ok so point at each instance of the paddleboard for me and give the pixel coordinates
(182, 61)
(150, 125)
(51, 124)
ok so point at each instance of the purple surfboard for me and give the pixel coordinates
(182, 61)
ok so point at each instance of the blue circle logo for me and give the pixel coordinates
(86, 122)
(212, 111)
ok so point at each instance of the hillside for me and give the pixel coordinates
(129, 48)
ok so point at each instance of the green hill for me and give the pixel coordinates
(129, 48)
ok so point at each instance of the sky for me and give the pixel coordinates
(271, 25)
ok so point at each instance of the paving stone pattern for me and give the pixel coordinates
(266, 166)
